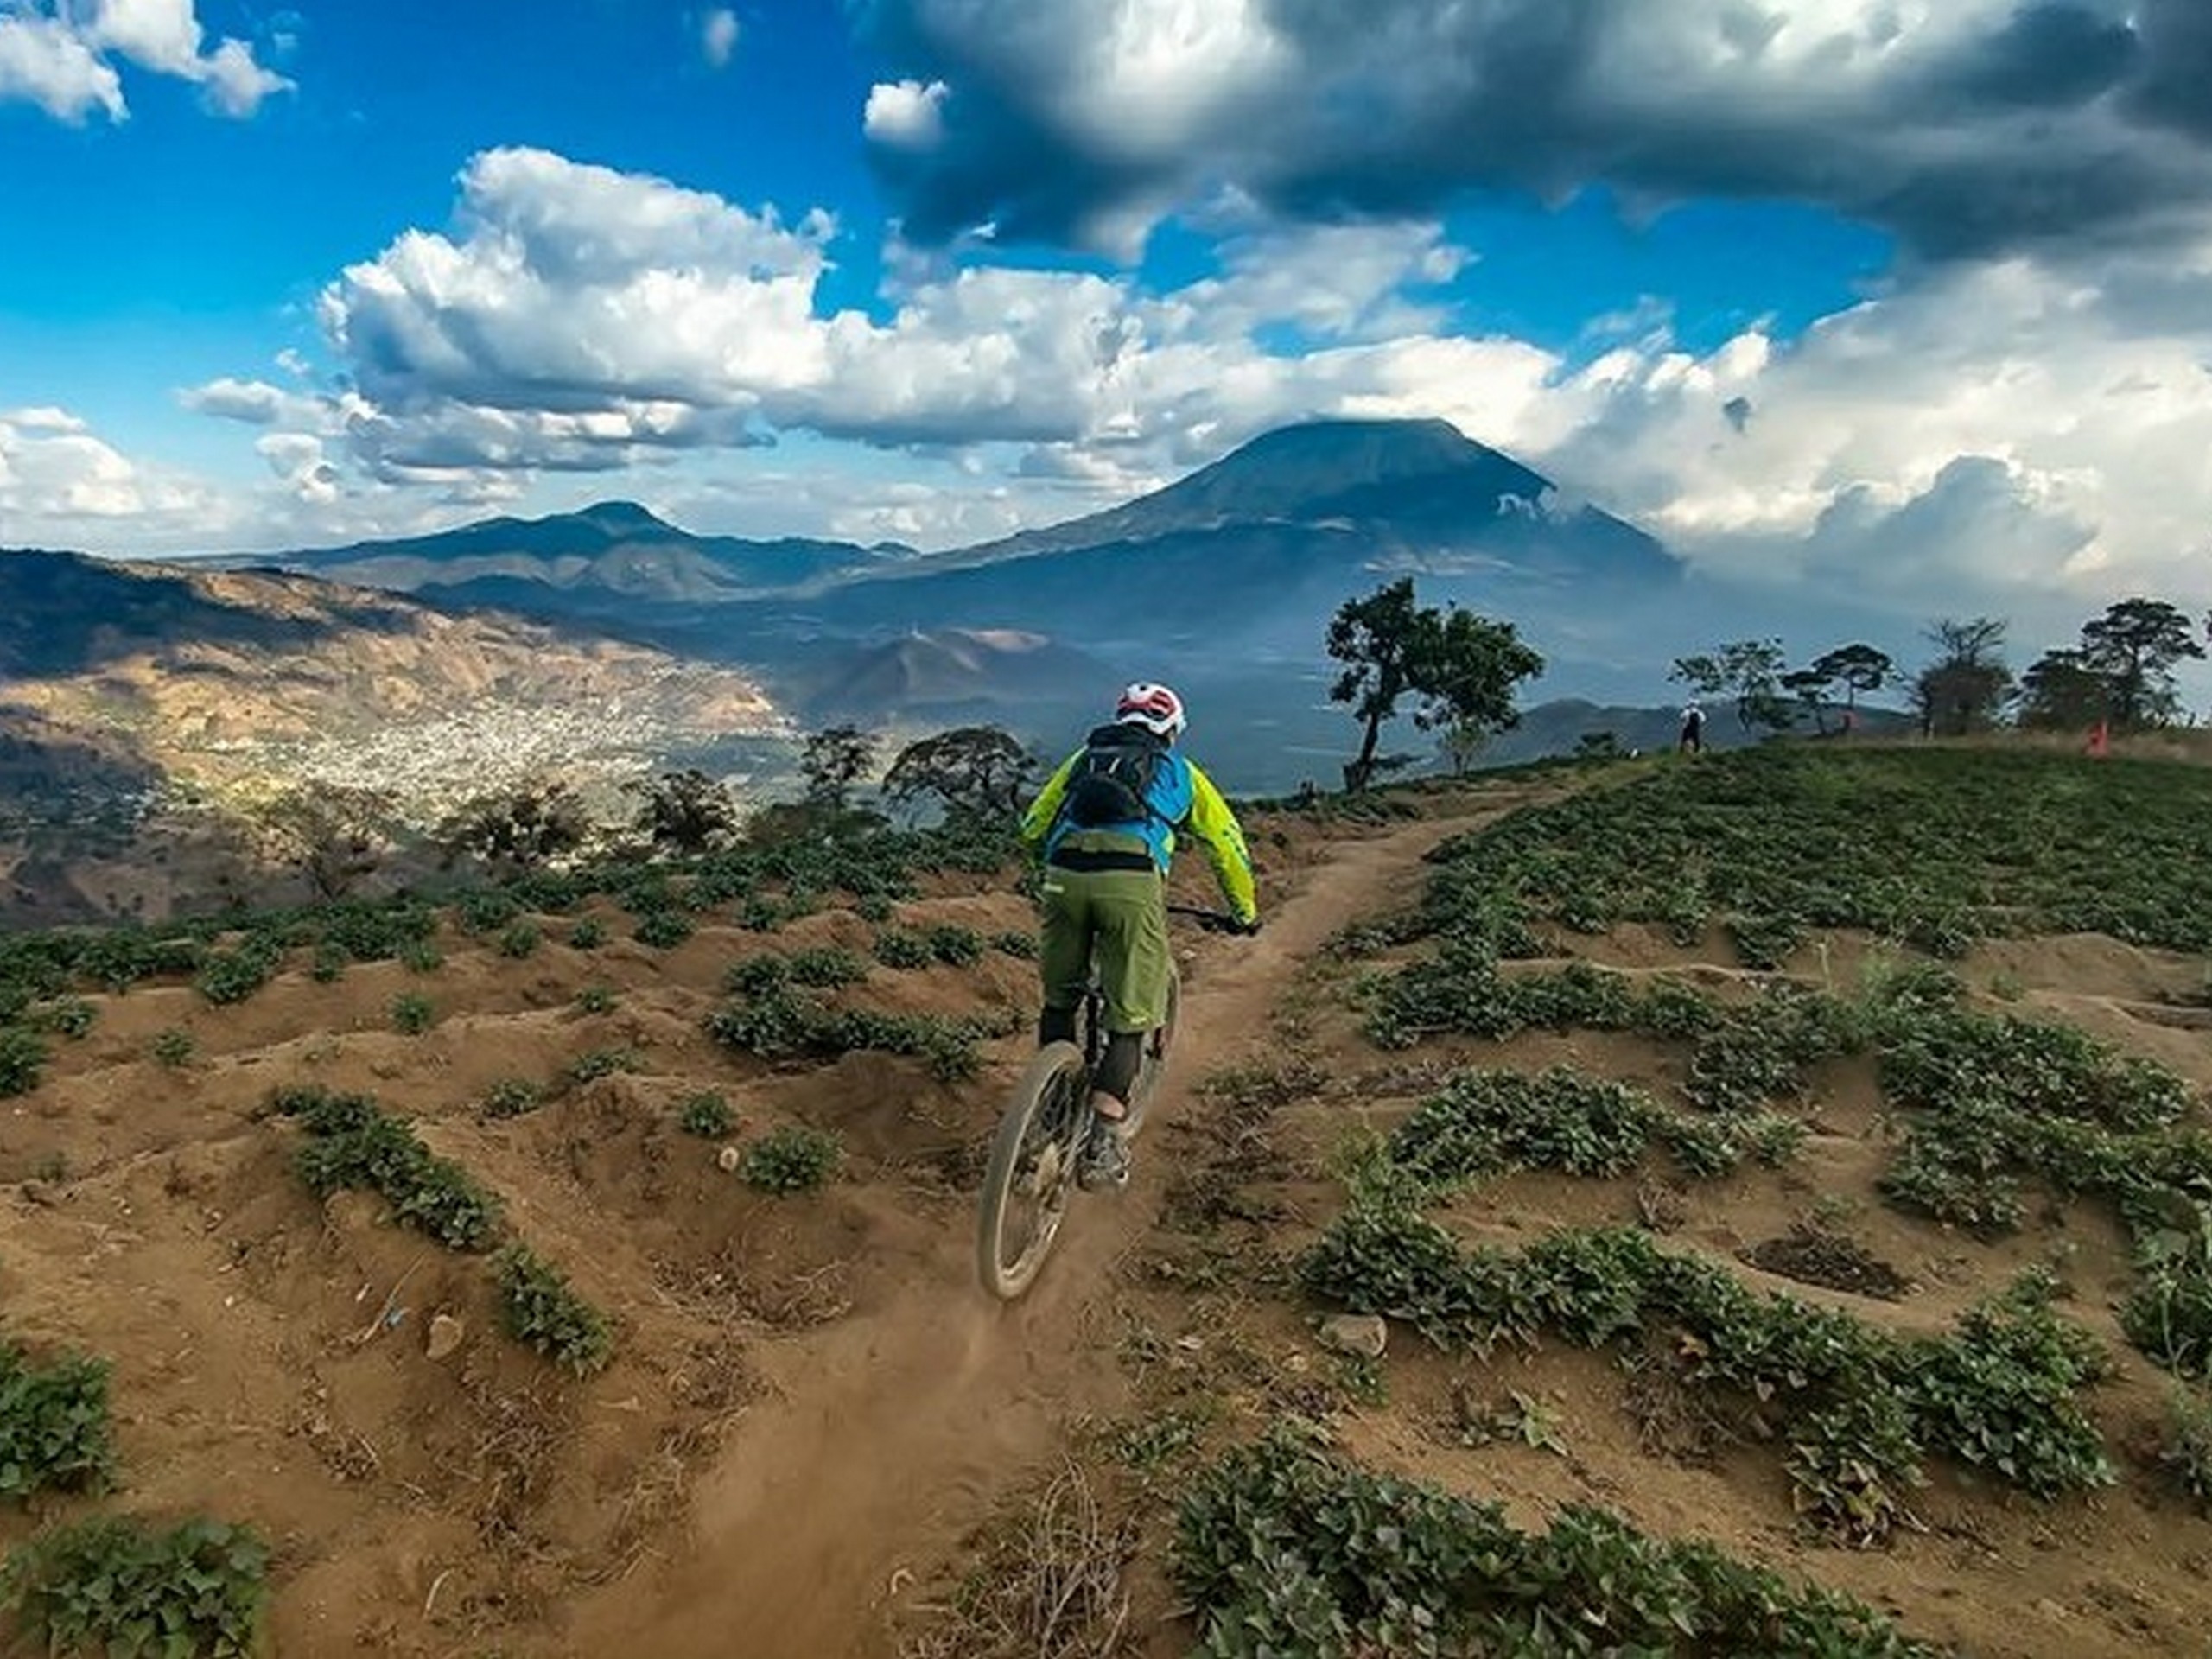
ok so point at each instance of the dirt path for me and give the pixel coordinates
(882, 1440)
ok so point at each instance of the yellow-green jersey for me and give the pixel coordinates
(1181, 798)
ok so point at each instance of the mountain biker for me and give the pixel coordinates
(1106, 850)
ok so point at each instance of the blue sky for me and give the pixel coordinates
(1898, 299)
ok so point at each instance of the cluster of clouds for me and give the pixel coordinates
(2024, 406)
(62, 56)
(1967, 126)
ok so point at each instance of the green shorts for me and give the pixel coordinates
(1121, 917)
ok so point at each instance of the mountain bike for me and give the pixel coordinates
(1040, 1140)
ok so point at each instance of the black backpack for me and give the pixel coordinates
(1112, 779)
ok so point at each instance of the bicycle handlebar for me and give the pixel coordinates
(1213, 921)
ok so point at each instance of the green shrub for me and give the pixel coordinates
(329, 962)
(662, 929)
(2184, 1454)
(596, 999)
(825, 967)
(512, 1097)
(1488, 1121)
(1281, 1549)
(485, 908)
(541, 1309)
(422, 957)
(352, 1142)
(233, 976)
(791, 1159)
(952, 945)
(897, 947)
(2169, 1313)
(72, 1017)
(588, 934)
(115, 1585)
(22, 1060)
(412, 1014)
(597, 1063)
(707, 1115)
(1999, 1391)
(54, 1430)
(760, 914)
(174, 1046)
(778, 1023)
(520, 940)
(1011, 943)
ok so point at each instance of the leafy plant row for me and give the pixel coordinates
(767, 884)
(780, 1022)
(1999, 1392)
(1935, 848)
(55, 1429)
(1285, 1550)
(1486, 1122)
(121, 1587)
(1986, 1102)
(353, 1142)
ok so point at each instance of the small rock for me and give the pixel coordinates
(446, 1332)
(727, 1159)
(1365, 1334)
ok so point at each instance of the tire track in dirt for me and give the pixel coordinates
(883, 1440)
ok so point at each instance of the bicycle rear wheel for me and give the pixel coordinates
(1033, 1170)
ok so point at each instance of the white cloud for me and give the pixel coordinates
(718, 36)
(160, 35)
(54, 474)
(254, 401)
(905, 114)
(44, 62)
(297, 458)
(2008, 425)
(60, 59)
(236, 83)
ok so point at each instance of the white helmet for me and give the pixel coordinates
(1155, 707)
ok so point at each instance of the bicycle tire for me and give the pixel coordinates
(1058, 1066)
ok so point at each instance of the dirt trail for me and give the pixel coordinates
(882, 1440)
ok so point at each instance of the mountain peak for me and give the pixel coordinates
(1312, 466)
(624, 518)
(1421, 476)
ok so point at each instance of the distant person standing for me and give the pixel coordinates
(1693, 739)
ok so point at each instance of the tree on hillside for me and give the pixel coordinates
(685, 812)
(1465, 668)
(1810, 687)
(1462, 666)
(1373, 638)
(1859, 668)
(1965, 689)
(2132, 647)
(834, 759)
(2061, 692)
(978, 773)
(520, 828)
(1856, 668)
(332, 834)
(1748, 671)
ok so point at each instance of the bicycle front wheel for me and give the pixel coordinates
(1033, 1170)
